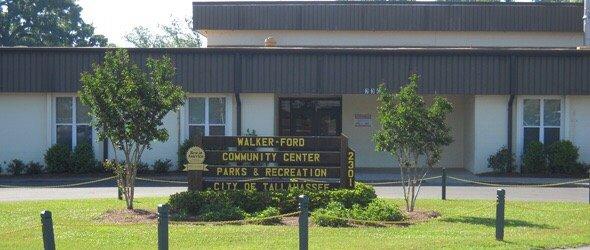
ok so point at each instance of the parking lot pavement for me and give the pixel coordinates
(429, 192)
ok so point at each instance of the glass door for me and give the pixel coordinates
(310, 116)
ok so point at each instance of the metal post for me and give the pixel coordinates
(444, 184)
(162, 227)
(303, 222)
(119, 193)
(47, 228)
(500, 214)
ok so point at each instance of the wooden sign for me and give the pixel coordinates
(290, 143)
(268, 185)
(195, 157)
(282, 158)
(270, 163)
(273, 172)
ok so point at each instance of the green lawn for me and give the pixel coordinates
(76, 226)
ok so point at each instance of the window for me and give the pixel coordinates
(541, 120)
(72, 122)
(206, 116)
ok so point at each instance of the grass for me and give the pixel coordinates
(527, 227)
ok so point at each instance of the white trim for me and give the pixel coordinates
(52, 98)
(184, 114)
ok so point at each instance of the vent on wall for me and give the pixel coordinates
(270, 42)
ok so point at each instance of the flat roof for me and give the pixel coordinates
(534, 71)
(388, 16)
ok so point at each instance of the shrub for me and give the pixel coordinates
(143, 168)
(562, 157)
(331, 215)
(335, 214)
(58, 159)
(16, 167)
(83, 159)
(190, 203)
(534, 160)
(377, 210)
(162, 166)
(362, 195)
(251, 201)
(182, 152)
(34, 168)
(502, 161)
(221, 211)
(268, 212)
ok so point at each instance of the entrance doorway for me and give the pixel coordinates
(310, 116)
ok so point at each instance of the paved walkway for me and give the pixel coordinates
(432, 192)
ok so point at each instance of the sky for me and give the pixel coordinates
(116, 22)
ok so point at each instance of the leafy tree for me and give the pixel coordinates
(413, 133)
(129, 105)
(45, 23)
(177, 34)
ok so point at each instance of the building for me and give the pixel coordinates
(513, 72)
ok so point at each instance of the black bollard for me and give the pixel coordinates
(162, 227)
(500, 214)
(303, 221)
(47, 228)
(444, 184)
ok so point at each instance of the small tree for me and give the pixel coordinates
(129, 105)
(413, 133)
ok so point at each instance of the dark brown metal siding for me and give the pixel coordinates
(389, 16)
(319, 71)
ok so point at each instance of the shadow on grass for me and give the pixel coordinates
(491, 222)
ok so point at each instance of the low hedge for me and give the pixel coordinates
(336, 215)
(192, 204)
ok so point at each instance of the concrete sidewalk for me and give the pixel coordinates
(428, 192)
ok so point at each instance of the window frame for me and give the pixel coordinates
(185, 117)
(74, 124)
(520, 119)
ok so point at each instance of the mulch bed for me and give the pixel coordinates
(128, 216)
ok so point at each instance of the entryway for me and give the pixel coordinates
(310, 116)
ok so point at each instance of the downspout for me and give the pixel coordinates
(239, 114)
(105, 149)
(510, 112)
(237, 90)
(586, 21)
(511, 83)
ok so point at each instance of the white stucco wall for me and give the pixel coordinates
(23, 127)
(360, 138)
(392, 38)
(168, 149)
(578, 120)
(258, 113)
(490, 131)
(469, 133)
